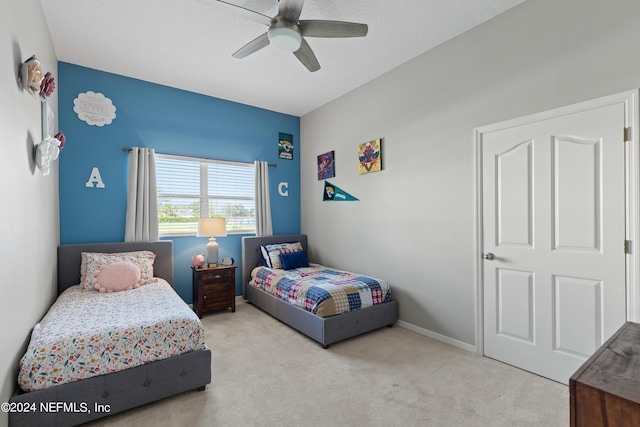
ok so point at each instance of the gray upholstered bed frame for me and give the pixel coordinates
(122, 390)
(325, 330)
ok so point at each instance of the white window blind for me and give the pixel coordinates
(191, 188)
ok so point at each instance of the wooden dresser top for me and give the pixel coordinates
(615, 367)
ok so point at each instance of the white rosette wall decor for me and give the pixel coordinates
(31, 76)
(48, 150)
(94, 108)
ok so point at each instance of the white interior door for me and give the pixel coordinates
(553, 239)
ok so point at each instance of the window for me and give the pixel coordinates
(191, 188)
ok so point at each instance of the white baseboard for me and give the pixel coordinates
(437, 337)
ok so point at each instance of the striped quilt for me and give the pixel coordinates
(321, 290)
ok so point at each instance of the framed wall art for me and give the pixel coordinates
(285, 146)
(326, 165)
(370, 156)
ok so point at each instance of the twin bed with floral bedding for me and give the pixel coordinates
(326, 304)
(125, 329)
(117, 336)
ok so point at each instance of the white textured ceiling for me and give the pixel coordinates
(188, 44)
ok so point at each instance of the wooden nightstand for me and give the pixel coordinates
(214, 288)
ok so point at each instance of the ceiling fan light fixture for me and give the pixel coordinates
(288, 34)
(285, 39)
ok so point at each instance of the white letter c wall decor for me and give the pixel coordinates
(283, 189)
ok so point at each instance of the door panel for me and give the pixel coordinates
(515, 305)
(577, 333)
(577, 180)
(513, 202)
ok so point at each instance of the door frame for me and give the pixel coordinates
(632, 197)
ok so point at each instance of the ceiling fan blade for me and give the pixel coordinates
(241, 11)
(307, 57)
(290, 9)
(330, 29)
(253, 46)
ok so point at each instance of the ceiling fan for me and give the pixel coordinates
(287, 33)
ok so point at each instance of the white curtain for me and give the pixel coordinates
(142, 198)
(263, 204)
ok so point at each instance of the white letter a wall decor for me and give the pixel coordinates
(95, 178)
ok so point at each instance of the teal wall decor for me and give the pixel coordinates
(333, 193)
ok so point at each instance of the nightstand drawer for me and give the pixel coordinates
(215, 277)
(217, 288)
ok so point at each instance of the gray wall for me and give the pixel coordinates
(414, 224)
(29, 223)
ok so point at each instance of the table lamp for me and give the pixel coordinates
(212, 228)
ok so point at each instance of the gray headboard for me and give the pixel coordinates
(70, 258)
(251, 252)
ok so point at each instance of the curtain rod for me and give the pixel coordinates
(128, 150)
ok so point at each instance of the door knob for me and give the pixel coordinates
(489, 256)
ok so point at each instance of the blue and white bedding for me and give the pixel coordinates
(321, 290)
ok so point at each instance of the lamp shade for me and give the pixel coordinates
(211, 227)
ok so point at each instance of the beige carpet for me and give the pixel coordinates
(266, 374)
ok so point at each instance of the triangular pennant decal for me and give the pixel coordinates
(335, 194)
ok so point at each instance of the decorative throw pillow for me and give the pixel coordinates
(264, 256)
(294, 260)
(92, 261)
(118, 276)
(271, 253)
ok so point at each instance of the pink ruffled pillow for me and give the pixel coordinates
(118, 276)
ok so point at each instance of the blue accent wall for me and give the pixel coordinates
(171, 121)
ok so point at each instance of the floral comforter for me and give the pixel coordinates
(322, 291)
(87, 333)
